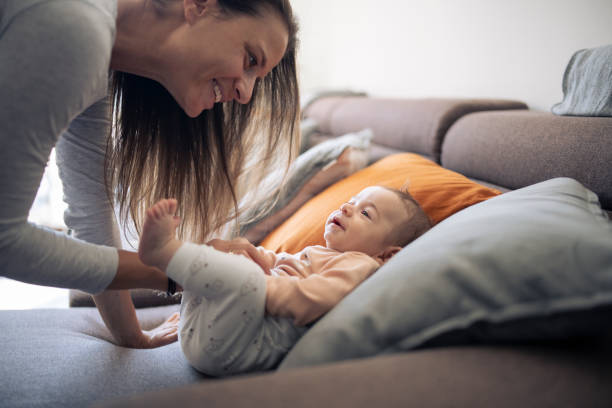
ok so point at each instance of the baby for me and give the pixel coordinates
(238, 315)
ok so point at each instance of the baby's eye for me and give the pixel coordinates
(365, 212)
(252, 60)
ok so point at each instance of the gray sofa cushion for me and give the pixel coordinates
(519, 148)
(62, 358)
(531, 264)
(411, 125)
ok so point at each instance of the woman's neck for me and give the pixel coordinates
(141, 32)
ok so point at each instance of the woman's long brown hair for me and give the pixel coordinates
(156, 151)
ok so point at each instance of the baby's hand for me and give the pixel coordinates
(241, 246)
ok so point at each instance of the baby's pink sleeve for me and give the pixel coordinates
(305, 300)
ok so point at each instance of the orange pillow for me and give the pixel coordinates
(441, 193)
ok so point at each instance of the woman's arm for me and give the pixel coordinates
(132, 274)
(80, 157)
(42, 92)
(117, 309)
(81, 153)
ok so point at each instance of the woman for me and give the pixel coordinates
(191, 82)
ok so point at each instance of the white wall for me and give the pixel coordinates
(515, 49)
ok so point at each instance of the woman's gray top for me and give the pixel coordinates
(54, 64)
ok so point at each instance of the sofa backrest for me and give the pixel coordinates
(399, 125)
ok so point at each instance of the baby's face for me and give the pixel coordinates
(365, 223)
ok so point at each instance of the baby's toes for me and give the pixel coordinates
(172, 205)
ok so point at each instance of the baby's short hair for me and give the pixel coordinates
(418, 222)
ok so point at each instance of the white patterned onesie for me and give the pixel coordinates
(224, 328)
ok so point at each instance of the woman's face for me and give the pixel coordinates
(216, 58)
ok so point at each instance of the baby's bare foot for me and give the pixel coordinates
(157, 242)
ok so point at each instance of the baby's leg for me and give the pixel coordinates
(224, 328)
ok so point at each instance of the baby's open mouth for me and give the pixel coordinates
(337, 222)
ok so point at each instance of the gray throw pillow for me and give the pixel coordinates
(308, 127)
(587, 84)
(531, 264)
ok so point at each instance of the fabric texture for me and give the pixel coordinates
(531, 264)
(439, 191)
(308, 284)
(587, 84)
(307, 99)
(308, 127)
(475, 377)
(518, 148)
(237, 319)
(313, 171)
(58, 358)
(55, 59)
(80, 153)
(65, 358)
(140, 297)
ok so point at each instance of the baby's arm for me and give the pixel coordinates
(268, 258)
(241, 246)
(305, 300)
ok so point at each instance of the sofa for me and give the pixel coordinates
(65, 357)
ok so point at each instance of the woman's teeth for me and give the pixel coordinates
(218, 94)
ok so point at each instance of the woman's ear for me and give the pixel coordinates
(387, 253)
(194, 9)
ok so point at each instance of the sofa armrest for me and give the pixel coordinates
(413, 125)
(448, 377)
(517, 148)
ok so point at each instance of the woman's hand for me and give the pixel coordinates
(118, 313)
(163, 334)
(241, 246)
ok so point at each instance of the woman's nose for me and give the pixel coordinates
(244, 89)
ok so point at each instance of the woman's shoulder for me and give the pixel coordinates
(68, 41)
(69, 25)
(104, 10)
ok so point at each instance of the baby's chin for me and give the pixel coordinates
(336, 246)
(329, 244)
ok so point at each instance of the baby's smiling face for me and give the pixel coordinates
(366, 223)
